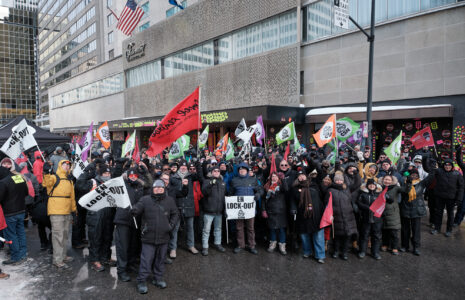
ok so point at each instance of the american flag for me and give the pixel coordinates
(130, 17)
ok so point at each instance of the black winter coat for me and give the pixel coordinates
(312, 224)
(123, 216)
(344, 218)
(275, 207)
(13, 192)
(365, 200)
(417, 207)
(213, 195)
(159, 215)
(185, 202)
(449, 185)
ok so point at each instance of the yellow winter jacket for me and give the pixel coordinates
(62, 201)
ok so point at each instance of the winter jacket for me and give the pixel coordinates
(365, 174)
(159, 215)
(312, 224)
(37, 167)
(392, 172)
(135, 190)
(417, 207)
(214, 191)
(13, 192)
(275, 207)
(391, 214)
(56, 159)
(449, 185)
(344, 218)
(245, 186)
(62, 201)
(185, 202)
(365, 200)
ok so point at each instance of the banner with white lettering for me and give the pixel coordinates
(240, 207)
(21, 139)
(79, 164)
(112, 193)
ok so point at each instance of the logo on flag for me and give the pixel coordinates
(393, 151)
(423, 138)
(79, 164)
(112, 193)
(345, 128)
(327, 132)
(103, 134)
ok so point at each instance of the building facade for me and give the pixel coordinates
(18, 32)
(282, 60)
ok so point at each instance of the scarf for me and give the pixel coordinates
(305, 197)
(412, 194)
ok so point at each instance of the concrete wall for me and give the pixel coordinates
(266, 79)
(200, 22)
(414, 58)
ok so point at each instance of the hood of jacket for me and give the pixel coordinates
(395, 181)
(364, 188)
(12, 169)
(60, 172)
(367, 167)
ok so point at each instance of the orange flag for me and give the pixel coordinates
(103, 134)
(327, 132)
(223, 143)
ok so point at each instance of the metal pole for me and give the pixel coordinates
(370, 75)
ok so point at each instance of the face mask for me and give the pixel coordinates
(105, 178)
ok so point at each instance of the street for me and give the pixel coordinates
(436, 274)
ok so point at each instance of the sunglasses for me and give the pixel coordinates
(166, 169)
(213, 163)
(284, 165)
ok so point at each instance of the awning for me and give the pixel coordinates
(394, 112)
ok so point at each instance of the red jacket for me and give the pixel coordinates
(37, 167)
(2, 219)
(197, 196)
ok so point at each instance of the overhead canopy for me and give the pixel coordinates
(392, 112)
(43, 137)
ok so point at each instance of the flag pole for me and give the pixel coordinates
(135, 222)
(200, 119)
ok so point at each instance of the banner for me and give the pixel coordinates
(21, 139)
(136, 152)
(129, 145)
(222, 144)
(345, 128)
(285, 134)
(393, 151)
(86, 141)
(378, 206)
(296, 141)
(230, 150)
(103, 134)
(357, 136)
(203, 138)
(176, 150)
(240, 207)
(260, 131)
(422, 138)
(240, 128)
(184, 142)
(183, 118)
(112, 193)
(327, 132)
(79, 164)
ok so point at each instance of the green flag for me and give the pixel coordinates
(230, 150)
(332, 156)
(203, 138)
(345, 128)
(176, 150)
(184, 142)
(129, 145)
(296, 141)
(393, 151)
(287, 133)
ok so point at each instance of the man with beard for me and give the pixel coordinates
(99, 223)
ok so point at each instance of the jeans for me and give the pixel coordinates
(208, 219)
(318, 239)
(60, 231)
(14, 232)
(173, 244)
(282, 235)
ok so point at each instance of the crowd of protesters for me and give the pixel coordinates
(181, 202)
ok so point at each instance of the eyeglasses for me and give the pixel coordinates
(284, 165)
(213, 163)
(166, 169)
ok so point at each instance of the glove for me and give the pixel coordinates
(360, 156)
(293, 212)
(264, 214)
(213, 182)
(47, 168)
(269, 194)
(276, 189)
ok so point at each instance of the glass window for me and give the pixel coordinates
(288, 29)
(240, 44)
(254, 42)
(397, 8)
(143, 74)
(270, 34)
(319, 19)
(173, 10)
(144, 26)
(145, 8)
(109, 3)
(225, 49)
(110, 19)
(110, 37)
(427, 4)
(111, 54)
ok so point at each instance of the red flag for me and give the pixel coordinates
(422, 138)
(378, 206)
(135, 153)
(183, 118)
(286, 153)
(273, 164)
(327, 218)
(2, 219)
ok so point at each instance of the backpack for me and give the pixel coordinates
(39, 208)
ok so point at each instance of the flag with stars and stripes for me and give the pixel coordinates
(130, 17)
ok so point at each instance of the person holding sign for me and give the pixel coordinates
(159, 216)
(244, 185)
(274, 210)
(61, 203)
(214, 191)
